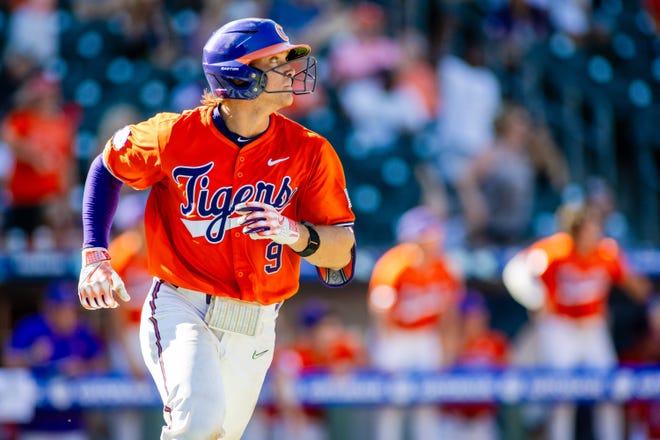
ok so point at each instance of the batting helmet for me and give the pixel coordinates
(230, 50)
(419, 224)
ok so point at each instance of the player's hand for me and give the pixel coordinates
(99, 283)
(262, 221)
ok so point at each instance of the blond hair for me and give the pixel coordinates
(572, 218)
(210, 98)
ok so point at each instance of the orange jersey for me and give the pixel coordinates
(50, 138)
(197, 176)
(301, 357)
(487, 351)
(424, 292)
(578, 286)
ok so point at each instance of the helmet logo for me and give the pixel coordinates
(281, 33)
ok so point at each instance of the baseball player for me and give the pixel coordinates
(323, 344)
(482, 348)
(414, 292)
(567, 278)
(239, 194)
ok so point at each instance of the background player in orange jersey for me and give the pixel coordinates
(481, 348)
(41, 133)
(567, 277)
(323, 344)
(414, 292)
(239, 194)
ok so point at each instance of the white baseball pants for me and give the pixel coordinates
(408, 350)
(569, 343)
(209, 380)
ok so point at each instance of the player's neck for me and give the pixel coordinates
(244, 120)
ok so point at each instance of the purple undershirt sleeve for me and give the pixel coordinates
(99, 204)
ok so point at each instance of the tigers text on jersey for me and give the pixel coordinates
(197, 176)
(424, 292)
(578, 286)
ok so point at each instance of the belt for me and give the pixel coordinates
(230, 314)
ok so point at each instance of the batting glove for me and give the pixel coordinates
(262, 221)
(98, 281)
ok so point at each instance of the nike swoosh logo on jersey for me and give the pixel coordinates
(242, 139)
(256, 355)
(272, 162)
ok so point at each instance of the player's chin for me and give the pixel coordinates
(286, 98)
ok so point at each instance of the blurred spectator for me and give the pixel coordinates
(414, 293)
(322, 345)
(498, 188)
(417, 74)
(380, 99)
(380, 112)
(15, 68)
(517, 25)
(333, 22)
(40, 132)
(214, 12)
(366, 49)
(481, 349)
(567, 277)
(56, 343)
(471, 99)
(296, 15)
(34, 30)
(145, 27)
(516, 28)
(572, 17)
(398, 100)
(115, 117)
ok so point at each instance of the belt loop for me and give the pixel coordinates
(208, 299)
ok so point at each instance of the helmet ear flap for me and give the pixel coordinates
(245, 82)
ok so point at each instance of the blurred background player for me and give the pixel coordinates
(40, 131)
(414, 292)
(567, 278)
(56, 343)
(481, 348)
(322, 345)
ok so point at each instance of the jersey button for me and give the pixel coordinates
(239, 274)
(237, 234)
(239, 174)
(241, 159)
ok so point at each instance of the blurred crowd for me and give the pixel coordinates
(423, 101)
(479, 119)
